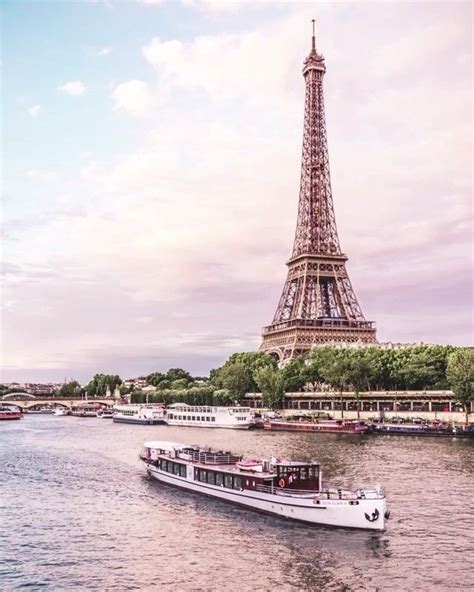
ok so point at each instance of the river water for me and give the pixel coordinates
(77, 512)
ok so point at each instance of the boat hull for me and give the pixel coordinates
(198, 424)
(367, 514)
(139, 421)
(10, 416)
(289, 426)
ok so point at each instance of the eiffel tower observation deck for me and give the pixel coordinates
(318, 304)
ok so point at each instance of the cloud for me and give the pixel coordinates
(34, 110)
(185, 233)
(150, 2)
(134, 97)
(44, 176)
(104, 51)
(74, 88)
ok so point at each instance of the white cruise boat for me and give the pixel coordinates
(141, 414)
(60, 411)
(202, 416)
(284, 488)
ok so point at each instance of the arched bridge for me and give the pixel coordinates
(26, 401)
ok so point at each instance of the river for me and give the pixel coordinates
(77, 512)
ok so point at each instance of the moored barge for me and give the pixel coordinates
(280, 487)
(333, 426)
(9, 413)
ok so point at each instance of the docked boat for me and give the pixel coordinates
(85, 410)
(105, 413)
(42, 411)
(203, 416)
(280, 487)
(333, 426)
(10, 413)
(436, 429)
(139, 414)
(61, 411)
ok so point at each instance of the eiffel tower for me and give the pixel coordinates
(318, 304)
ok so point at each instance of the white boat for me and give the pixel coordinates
(141, 414)
(85, 409)
(105, 413)
(202, 416)
(60, 411)
(284, 488)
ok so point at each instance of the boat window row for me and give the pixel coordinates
(172, 467)
(219, 479)
(190, 417)
(128, 412)
(303, 473)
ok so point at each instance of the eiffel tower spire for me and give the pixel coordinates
(318, 304)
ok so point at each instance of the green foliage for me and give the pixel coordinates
(238, 373)
(178, 374)
(374, 368)
(97, 387)
(223, 397)
(460, 374)
(271, 382)
(70, 389)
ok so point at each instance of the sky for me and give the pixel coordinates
(151, 158)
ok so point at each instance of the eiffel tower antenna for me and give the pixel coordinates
(318, 304)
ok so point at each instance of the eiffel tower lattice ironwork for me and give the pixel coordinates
(318, 304)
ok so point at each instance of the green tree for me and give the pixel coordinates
(271, 382)
(97, 387)
(460, 374)
(236, 378)
(335, 372)
(358, 373)
(296, 374)
(70, 389)
(179, 383)
(177, 374)
(155, 378)
(223, 397)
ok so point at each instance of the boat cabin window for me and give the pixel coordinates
(219, 479)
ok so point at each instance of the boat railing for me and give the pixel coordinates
(213, 458)
(324, 494)
(286, 491)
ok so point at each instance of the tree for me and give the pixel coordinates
(358, 374)
(177, 374)
(223, 397)
(236, 378)
(460, 374)
(97, 387)
(179, 384)
(296, 374)
(70, 389)
(155, 378)
(335, 372)
(250, 362)
(271, 382)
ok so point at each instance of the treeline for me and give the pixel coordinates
(424, 367)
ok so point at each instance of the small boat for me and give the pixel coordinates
(206, 416)
(290, 489)
(10, 413)
(435, 428)
(139, 414)
(42, 411)
(105, 413)
(85, 410)
(332, 426)
(61, 411)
